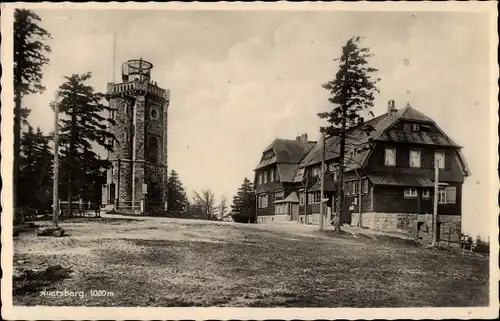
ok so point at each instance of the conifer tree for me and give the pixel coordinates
(351, 92)
(243, 207)
(30, 55)
(82, 126)
(35, 177)
(176, 197)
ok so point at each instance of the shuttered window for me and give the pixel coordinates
(451, 195)
(448, 195)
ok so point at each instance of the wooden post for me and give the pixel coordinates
(55, 188)
(436, 200)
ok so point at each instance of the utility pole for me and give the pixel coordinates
(322, 177)
(436, 200)
(55, 191)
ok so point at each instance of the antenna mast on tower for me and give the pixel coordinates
(114, 56)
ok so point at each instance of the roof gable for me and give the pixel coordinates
(286, 151)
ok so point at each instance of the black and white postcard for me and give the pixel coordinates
(249, 160)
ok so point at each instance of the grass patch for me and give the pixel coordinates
(256, 268)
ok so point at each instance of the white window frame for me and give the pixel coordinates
(410, 192)
(260, 178)
(393, 163)
(441, 160)
(316, 171)
(280, 194)
(426, 193)
(443, 195)
(263, 201)
(272, 175)
(280, 208)
(315, 197)
(415, 127)
(265, 176)
(301, 198)
(417, 152)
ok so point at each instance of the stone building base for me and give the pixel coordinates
(274, 218)
(417, 225)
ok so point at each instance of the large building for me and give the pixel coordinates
(389, 177)
(139, 109)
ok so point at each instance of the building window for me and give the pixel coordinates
(316, 171)
(113, 114)
(279, 195)
(265, 177)
(411, 192)
(415, 127)
(280, 209)
(415, 158)
(263, 201)
(354, 187)
(390, 157)
(439, 157)
(152, 152)
(335, 170)
(315, 197)
(260, 178)
(426, 194)
(447, 195)
(301, 198)
(364, 186)
(268, 154)
(271, 178)
(154, 114)
(407, 126)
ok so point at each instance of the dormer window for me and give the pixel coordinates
(415, 127)
(268, 154)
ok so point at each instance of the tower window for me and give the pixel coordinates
(153, 149)
(154, 114)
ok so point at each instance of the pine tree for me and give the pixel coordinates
(177, 199)
(243, 207)
(35, 177)
(82, 127)
(352, 92)
(30, 55)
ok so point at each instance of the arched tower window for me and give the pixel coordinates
(153, 146)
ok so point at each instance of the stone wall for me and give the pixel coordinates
(417, 225)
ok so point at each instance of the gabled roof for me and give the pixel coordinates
(286, 151)
(291, 198)
(359, 138)
(286, 172)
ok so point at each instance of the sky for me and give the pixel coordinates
(240, 79)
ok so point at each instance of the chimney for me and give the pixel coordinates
(391, 109)
(303, 138)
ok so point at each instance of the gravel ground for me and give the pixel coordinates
(174, 262)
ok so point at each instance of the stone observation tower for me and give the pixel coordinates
(138, 177)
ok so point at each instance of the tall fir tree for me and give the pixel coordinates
(352, 92)
(243, 207)
(35, 178)
(82, 127)
(176, 195)
(30, 55)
